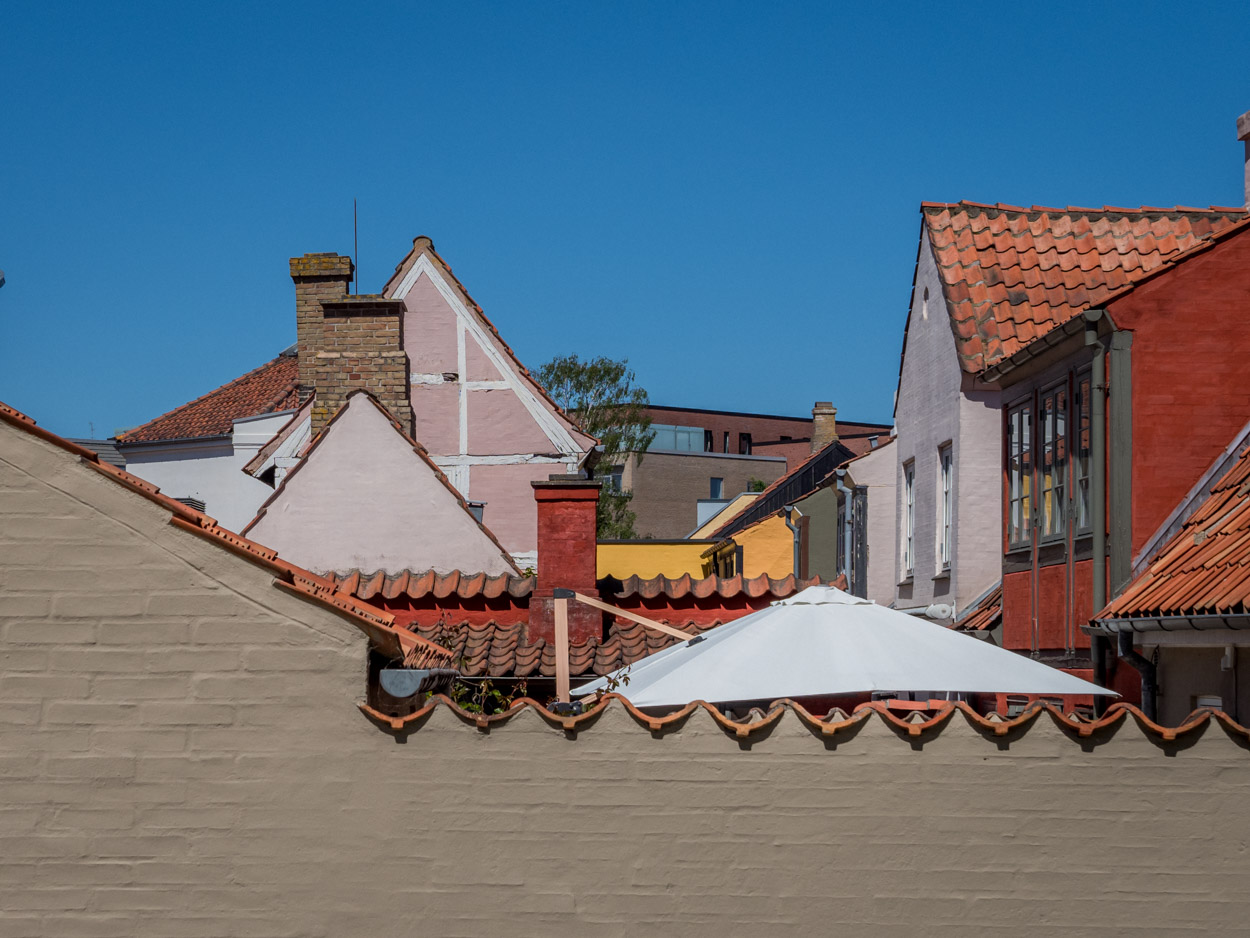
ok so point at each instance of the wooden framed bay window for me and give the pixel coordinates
(1020, 475)
(1053, 462)
(1082, 518)
(1048, 464)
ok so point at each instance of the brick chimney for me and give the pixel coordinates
(362, 346)
(317, 277)
(566, 557)
(824, 425)
(1243, 134)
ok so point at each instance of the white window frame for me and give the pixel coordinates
(909, 518)
(946, 523)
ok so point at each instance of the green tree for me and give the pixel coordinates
(601, 394)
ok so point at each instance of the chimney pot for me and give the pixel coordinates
(824, 425)
(1243, 134)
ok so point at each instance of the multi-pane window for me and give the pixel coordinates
(946, 467)
(909, 518)
(1053, 430)
(1051, 492)
(1019, 475)
(1084, 427)
(677, 439)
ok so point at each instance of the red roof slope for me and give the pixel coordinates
(1205, 568)
(987, 614)
(495, 650)
(1012, 274)
(274, 386)
(378, 624)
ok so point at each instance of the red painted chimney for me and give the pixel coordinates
(566, 557)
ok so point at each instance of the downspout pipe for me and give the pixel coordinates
(1098, 491)
(1149, 677)
(795, 530)
(848, 529)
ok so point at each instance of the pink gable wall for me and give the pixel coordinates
(499, 423)
(429, 330)
(362, 499)
(511, 511)
(479, 367)
(436, 417)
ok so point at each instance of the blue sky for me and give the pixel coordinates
(724, 193)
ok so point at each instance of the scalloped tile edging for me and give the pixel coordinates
(837, 722)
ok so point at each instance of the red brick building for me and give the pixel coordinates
(1119, 339)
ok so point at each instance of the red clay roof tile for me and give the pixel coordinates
(1205, 568)
(466, 586)
(495, 650)
(1004, 266)
(271, 388)
(987, 614)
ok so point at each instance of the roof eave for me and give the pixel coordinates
(1171, 622)
(1046, 349)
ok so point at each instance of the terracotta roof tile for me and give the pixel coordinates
(466, 586)
(272, 387)
(1016, 273)
(498, 650)
(987, 614)
(1205, 568)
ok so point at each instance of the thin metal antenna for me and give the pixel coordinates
(356, 246)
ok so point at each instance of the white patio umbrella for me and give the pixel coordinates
(823, 641)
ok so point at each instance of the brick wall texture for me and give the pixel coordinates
(317, 277)
(361, 351)
(181, 755)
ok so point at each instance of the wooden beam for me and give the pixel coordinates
(562, 650)
(632, 617)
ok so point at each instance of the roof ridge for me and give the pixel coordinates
(1091, 210)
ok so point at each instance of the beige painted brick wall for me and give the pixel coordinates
(181, 754)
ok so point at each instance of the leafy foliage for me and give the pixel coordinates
(756, 485)
(601, 394)
(482, 696)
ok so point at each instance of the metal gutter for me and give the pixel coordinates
(849, 496)
(1035, 348)
(1138, 624)
(796, 530)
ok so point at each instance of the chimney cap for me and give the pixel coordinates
(824, 407)
(1243, 126)
(328, 265)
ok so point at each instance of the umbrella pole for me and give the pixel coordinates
(632, 617)
(562, 650)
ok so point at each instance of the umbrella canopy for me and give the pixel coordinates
(823, 641)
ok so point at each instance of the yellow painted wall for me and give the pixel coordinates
(650, 558)
(767, 547)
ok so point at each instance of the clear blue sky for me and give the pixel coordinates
(724, 193)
